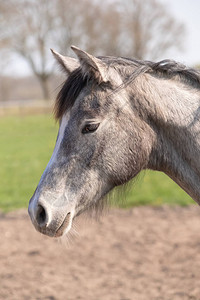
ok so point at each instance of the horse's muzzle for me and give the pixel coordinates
(50, 220)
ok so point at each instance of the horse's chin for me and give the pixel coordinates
(65, 226)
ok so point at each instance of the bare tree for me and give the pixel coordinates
(29, 26)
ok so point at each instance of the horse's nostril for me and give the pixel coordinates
(41, 215)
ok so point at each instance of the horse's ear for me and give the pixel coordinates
(92, 66)
(68, 64)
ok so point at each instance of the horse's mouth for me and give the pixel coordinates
(66, 224)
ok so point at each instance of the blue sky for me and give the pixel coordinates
(185, 11)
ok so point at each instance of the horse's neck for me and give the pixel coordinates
(176, 122)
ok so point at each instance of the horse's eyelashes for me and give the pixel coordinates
(88, 128)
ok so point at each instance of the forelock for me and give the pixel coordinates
(69, 93)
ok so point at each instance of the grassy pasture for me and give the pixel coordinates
(26, 146)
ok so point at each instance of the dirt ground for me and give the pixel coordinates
(139, 254)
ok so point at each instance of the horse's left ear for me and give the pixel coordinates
(92, 66)
(68, 64)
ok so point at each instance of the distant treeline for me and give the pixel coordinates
(26, 88)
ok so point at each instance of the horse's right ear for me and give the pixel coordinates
(68, 64)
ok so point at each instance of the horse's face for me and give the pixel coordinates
(96, 149)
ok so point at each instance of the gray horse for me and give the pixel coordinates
(117, 116)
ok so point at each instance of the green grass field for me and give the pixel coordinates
(26, 147)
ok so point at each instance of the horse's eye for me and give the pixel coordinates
(88, 128)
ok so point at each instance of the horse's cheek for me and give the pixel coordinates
(118, 166)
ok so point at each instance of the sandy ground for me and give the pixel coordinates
(139, 254)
